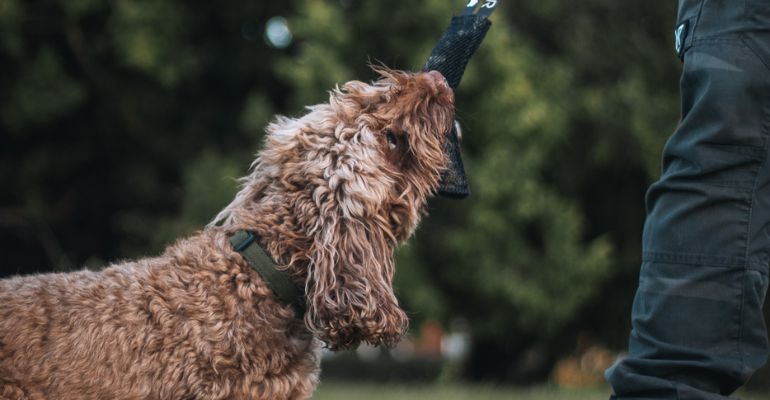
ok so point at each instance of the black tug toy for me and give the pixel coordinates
(450, 57)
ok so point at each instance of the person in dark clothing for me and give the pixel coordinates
(697, 325)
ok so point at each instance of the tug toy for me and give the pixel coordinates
(450, 57)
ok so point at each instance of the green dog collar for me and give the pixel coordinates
(245, 243)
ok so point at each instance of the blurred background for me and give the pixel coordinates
(124, 122)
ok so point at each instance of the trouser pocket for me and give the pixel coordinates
(705, 200)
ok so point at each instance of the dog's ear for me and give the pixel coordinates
(349, 292)
(392, 75)
(365, 94)
(357, 95)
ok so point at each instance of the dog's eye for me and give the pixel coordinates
(392, 140)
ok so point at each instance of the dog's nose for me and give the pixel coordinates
(437, 80)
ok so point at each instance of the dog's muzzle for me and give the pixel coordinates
(450, 57)
(454, 183)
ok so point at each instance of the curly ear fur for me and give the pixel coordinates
(350, 298)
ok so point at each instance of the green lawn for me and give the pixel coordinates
(340, 391)
(360, 391)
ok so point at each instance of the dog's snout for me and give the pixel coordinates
(437, 80)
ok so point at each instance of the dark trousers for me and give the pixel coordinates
(697, 325)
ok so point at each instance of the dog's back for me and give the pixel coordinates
(78, 335)
(170, 327)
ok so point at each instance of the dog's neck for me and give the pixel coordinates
(278, 231)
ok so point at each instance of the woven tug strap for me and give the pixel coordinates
(450, 57)
(245, 243)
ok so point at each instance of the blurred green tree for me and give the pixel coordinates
(112, 113)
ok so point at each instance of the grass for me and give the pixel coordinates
(345, 391)
(364, 391)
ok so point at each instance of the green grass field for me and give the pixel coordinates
(359, 391)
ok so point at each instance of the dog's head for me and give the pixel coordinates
(389, 138)
(356, 173)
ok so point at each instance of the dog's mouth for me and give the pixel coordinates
(449, 57)
(453, 183)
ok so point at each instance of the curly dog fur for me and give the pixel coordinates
(329, 197)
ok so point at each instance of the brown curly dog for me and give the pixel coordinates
(329, 197)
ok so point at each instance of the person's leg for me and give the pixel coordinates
(697, 325)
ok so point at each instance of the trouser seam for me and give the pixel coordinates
(703, 260)
(751, 212)
(692, 33)
(697, 21)
(740, 320)
(748, 45)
